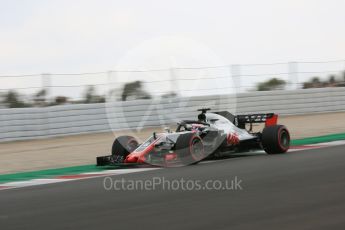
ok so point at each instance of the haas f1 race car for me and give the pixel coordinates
(207, 137)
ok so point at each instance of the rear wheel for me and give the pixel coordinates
(124, 145)
(275, 139)
(190, 148)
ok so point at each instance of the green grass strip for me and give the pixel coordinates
(320, 139)
(51, 173)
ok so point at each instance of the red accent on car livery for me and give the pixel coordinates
(170, 156)
(140, 156)
(271, 121)
(232, 139)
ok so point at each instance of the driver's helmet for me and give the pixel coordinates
(202, 117)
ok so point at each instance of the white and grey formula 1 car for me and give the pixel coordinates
(206, 137)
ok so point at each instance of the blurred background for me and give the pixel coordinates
(98, 66)
(49, 89)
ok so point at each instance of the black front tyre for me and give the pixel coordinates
(124, 145)
(275, 139)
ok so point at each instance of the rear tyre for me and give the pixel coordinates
(275, 139)
(190, 148)
(124, 145)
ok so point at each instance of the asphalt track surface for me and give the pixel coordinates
(299, 190)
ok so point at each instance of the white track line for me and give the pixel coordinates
(64, 178)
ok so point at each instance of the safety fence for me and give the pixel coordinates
(42, 122)
(182, 82)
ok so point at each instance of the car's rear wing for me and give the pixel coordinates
(267, 118)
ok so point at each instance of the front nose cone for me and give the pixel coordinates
(131, 159)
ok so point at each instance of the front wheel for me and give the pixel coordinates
(275, 139)
(190, 148)
(124, 145)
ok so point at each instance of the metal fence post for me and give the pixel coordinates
(173, 81)
(113, 92)
(46, 84)
(235, 74)
(293, 75)
(342, 74)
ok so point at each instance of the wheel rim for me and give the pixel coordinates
(197, 149)
(284, 139)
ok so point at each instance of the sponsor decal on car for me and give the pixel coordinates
(233, 139)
